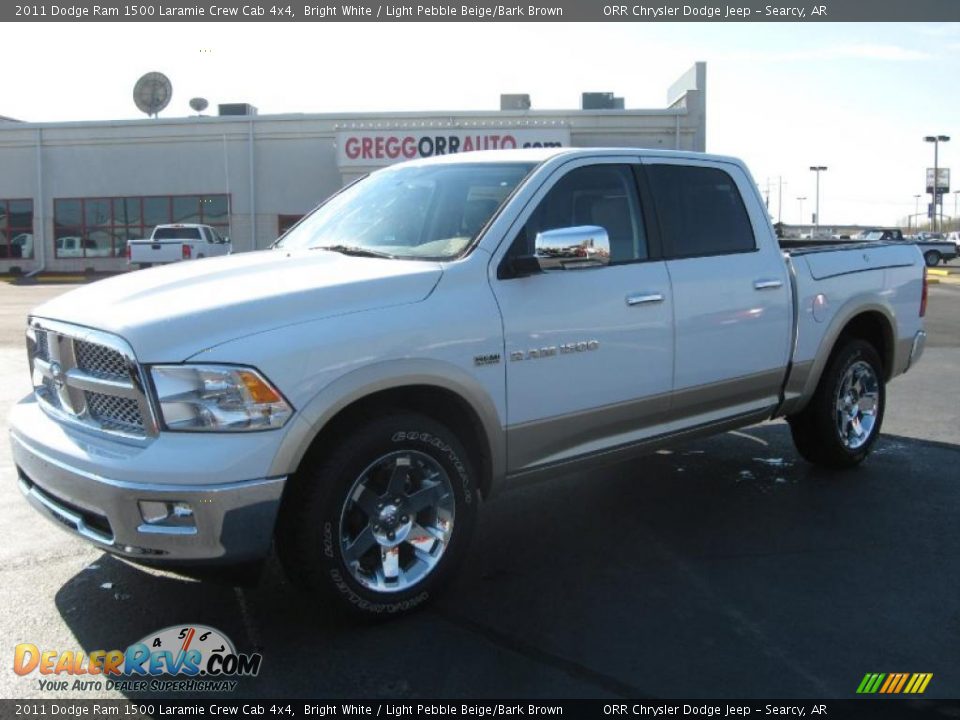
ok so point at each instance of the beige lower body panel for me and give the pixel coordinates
(641, 425)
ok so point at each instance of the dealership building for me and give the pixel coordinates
(73, 193)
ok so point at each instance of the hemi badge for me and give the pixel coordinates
(491, 359)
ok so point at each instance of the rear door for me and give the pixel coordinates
(589, 351)
(732, 298)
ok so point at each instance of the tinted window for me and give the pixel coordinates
(173, 233)
(603, 195)
(700, 210)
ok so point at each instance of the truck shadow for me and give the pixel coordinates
(725, 568)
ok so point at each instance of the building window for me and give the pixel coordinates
(16, 229)
(101, 227)
(285, 222)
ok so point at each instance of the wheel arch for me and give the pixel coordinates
(445, 393)
(872, 322)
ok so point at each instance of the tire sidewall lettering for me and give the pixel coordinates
(448, 452)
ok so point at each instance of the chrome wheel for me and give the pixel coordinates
(397, 521)
(857, 405)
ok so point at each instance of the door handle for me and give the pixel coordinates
(644, 298)
(767, 284)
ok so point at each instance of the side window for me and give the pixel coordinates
(603, 195)
(700, 211)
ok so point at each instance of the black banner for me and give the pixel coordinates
(482, 10)
(886, 709)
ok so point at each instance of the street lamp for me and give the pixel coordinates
(801, 199)
(936, 140)
(916, 212)
(956, 221)
(818, 169)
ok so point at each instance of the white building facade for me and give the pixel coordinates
(72, 194)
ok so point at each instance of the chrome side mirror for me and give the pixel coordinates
(572, 248)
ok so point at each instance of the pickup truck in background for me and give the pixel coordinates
(73, 246)
(934, 249)
(172, 243)
(436, 331)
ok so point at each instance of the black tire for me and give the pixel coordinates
(144, 266)
(932, 258)
(320, 514)
(815, 429)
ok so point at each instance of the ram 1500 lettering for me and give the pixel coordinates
(436, 330)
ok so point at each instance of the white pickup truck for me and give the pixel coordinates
(172, 243)
(438, 330)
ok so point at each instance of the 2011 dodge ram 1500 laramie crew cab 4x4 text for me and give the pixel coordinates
(436, 330)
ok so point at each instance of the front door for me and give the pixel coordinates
(589, 351)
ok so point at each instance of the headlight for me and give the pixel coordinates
(217, 398)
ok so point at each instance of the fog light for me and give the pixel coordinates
(166, 514)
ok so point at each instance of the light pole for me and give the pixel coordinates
(780, 201)
(818, 169)
(956, 221)
(916, 212)
(801, 199)
(936, 140)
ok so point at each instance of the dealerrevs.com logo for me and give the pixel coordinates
(180, 658)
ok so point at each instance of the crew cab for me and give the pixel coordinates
(433, 333)
(181, 241)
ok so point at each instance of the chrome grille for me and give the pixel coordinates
(43, 346)
(50, 393)
(111, 410)
(100, 360)
(89, 378)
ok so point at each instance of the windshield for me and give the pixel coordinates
(410, 212)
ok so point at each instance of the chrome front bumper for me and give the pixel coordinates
(233, 522)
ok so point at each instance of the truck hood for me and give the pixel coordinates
(172, 312)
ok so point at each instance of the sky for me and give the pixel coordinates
(855, 97)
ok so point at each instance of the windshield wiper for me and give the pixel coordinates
(355, 250)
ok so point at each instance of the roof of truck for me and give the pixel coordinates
(539, 155)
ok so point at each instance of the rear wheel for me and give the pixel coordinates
(380, 524)
(144, 266)
(932, 258)
(840, 425)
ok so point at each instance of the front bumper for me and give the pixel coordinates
(233, 522)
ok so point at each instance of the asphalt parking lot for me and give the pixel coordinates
(726, 569)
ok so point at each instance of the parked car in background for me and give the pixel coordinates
(21, 246)
(181, 241)
(73, 246)
(934, 246)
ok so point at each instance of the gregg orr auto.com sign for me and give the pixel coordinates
(383, 147)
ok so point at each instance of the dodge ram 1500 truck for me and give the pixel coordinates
(437, 330)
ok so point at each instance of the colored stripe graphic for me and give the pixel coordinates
(894, 683)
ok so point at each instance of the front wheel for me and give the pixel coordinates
(840, 425)
(932, 258)
(380, 524)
